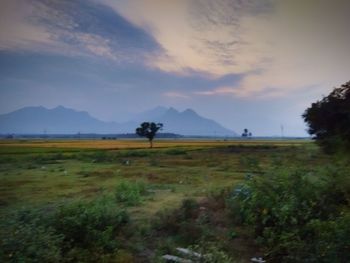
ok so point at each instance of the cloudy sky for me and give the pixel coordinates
(245, 63)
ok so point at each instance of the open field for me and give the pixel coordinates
(6, 145)
(41, 171)
(49, 173)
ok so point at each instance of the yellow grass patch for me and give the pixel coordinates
(137, 143)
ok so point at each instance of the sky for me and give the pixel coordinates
(255, 64)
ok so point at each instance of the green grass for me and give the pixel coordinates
(35, 176)
(45, 176)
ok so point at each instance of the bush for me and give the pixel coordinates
(77, 232)
(130, 193)
(24, 238)
(211, 253)
(331, 241)
(292, 212)
(90, 225)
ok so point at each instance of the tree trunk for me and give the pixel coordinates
(150, 143)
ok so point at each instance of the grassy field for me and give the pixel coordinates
(35, 172)
(9, 146)
(46, 173)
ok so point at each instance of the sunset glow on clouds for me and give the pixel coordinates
(235, 51)
(268, 42)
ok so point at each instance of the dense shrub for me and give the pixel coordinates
(92, 224)
(331, 239)
(76, 232)
(130, 193)
(24, 238)
(295, 214)
(211, 253)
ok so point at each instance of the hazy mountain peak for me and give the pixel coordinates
(62, 120)
(150, 115)
(189, 111)
(63, 108)
(30, 108)
(60, 107)
(172, 110)
(160, 108)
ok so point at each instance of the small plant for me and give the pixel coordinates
(130, 193)
(210, 253)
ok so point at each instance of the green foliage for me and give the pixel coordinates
(76, 232)
(25, 238)
(331, 238)
(211, 253)
(95, 156)
(101, 157)
(89, 225)
(149, 130)
(135, 153)
(329, 119)
(294, 212)
(130, 193)
(251, 163)
(176, 151)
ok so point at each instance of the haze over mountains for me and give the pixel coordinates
(61, 120)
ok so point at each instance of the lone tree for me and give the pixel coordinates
(149, 130)
(246, 133)
(329, 120)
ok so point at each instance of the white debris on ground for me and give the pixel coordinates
(188, 252)
(257, 260)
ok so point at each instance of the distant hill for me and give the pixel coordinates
(190, 123)
(61, 120)
(187, 123)
(151, 114)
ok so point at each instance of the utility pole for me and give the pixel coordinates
(282, 131)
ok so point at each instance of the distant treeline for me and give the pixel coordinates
(84, 136)
(134, 136)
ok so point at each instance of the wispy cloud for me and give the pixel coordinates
(57, 27)
(218, 91)
(215, 37)
(278, 45)
(176, 95)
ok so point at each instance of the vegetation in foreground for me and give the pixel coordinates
(229, 202)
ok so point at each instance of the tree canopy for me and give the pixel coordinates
(246, 133)
(149, 130)
(329, 119)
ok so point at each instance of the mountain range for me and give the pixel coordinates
(61, 120)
